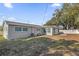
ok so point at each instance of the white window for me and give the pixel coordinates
(18, 29)
(25, 29)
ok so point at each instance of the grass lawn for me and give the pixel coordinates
(1, 38)
(35, 47)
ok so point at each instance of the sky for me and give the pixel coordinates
(32, 13)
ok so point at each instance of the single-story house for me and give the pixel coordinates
(14, 30)
(52, 30)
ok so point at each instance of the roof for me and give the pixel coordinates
(20, 24)
(54, 26)
(50, 26)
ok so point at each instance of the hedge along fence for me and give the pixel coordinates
(70, 31)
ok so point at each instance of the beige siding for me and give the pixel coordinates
(18, 34)
(21, 34)
(10, 33)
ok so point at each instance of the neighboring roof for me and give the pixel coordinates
(20, 24)
(54, 26)
(50, 26)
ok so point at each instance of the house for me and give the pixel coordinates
(14, 30)
(52, 30)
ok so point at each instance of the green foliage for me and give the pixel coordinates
(67, 16)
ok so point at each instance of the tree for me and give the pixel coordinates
(66, 16)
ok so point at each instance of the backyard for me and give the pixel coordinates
(66, 15)
(39, 46)
(65, 36)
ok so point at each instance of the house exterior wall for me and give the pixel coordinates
(48, 31)
(55, 31)
(12, 34)
(52, 31)
(5, 31)
(36, 30)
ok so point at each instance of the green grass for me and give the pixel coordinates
(1, 38)
(30, 47)
(75, 46)
(33, 47)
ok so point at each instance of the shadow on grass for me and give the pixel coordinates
(36, 47)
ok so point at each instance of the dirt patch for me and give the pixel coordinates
(65, 36)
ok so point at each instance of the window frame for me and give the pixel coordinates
(49, 30)
(18, 29)
(23, 29)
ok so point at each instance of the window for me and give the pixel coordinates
(48, 30)
(25, 29)
(17, 28)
